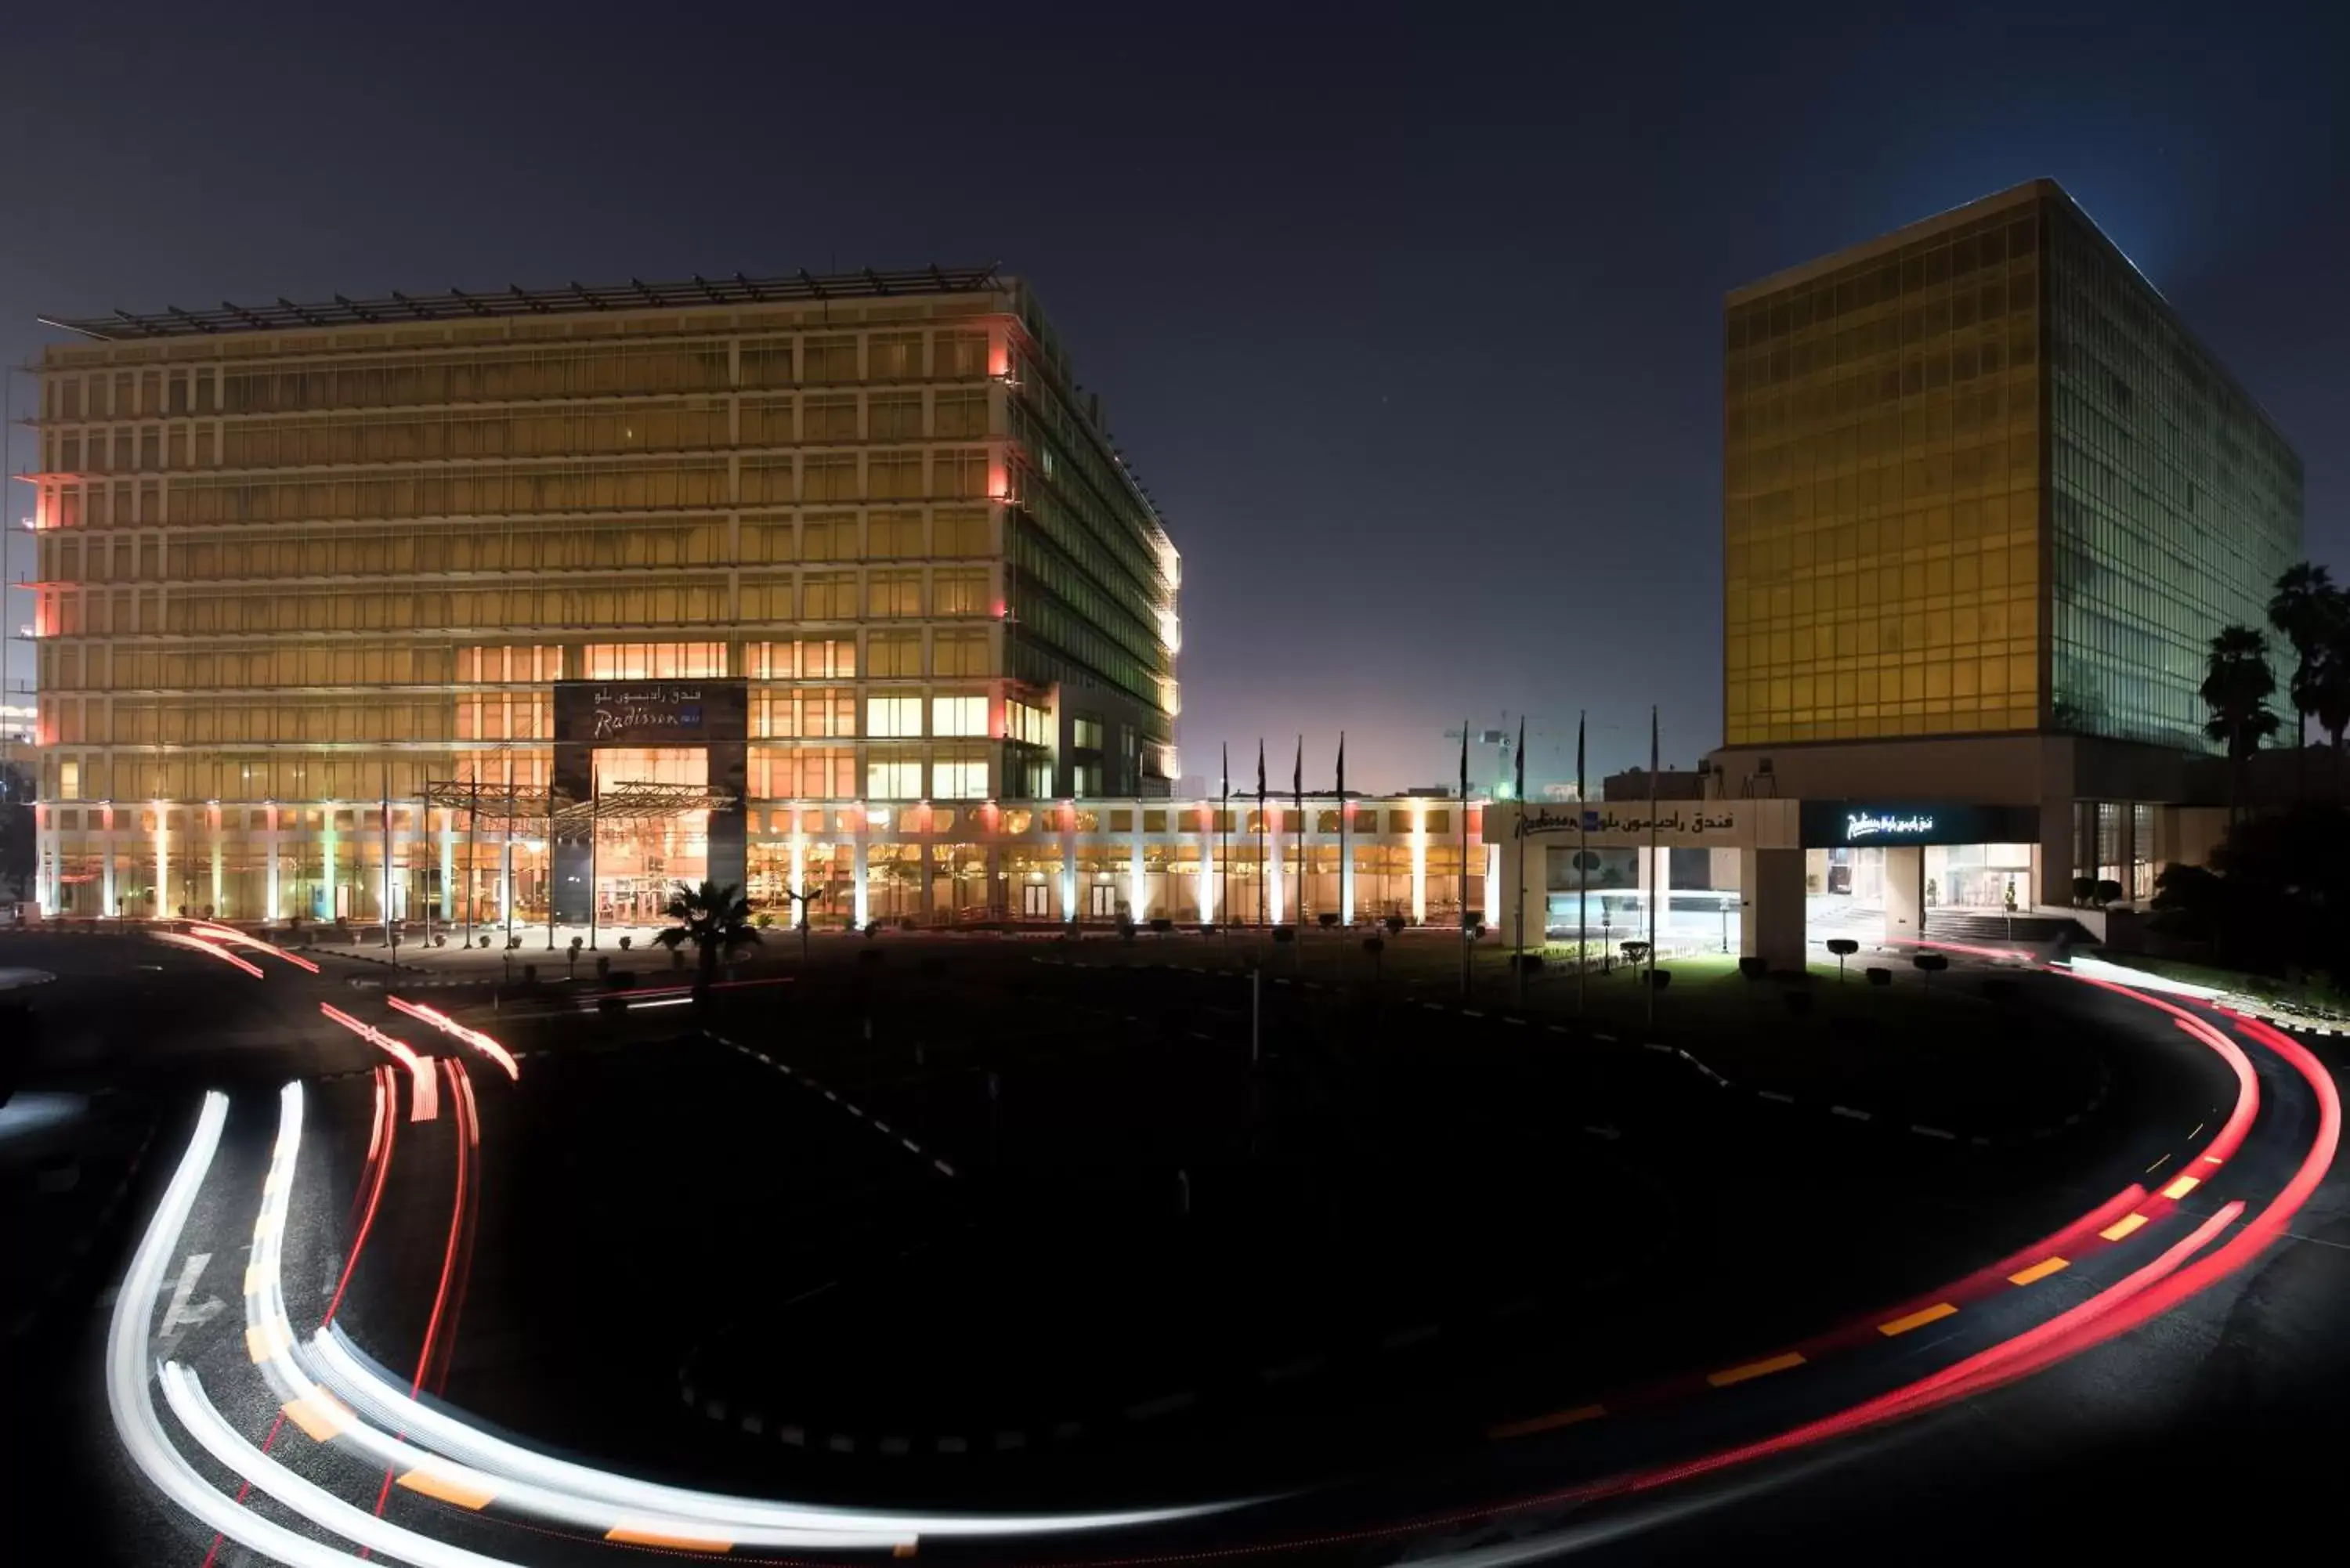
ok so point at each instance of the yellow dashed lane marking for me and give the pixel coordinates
(2182, 1187)
(1549, 1423)
(1918, 1319)
(635, 1535)
(2125, 1225)
(463, 1488)
(320, 1414)
(1755, 1369)
(2039, 1270)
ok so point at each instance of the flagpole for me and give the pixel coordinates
(1582, 879)
(1656, 878)
(1261, 826)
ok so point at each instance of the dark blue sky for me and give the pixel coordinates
(1410, 318)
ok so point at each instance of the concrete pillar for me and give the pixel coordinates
(1770, 913)
(2055, 890)
(1905, 892)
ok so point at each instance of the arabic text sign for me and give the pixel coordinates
(1685, 822)
(649, 712)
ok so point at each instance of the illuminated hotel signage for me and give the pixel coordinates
(1861, 824)
(1682, 820)
(1867, 823)
(649, 712)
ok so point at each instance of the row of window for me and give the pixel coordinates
(600, 370)
(80, 556)
(693, 425)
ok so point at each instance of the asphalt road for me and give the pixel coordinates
(541, 1249)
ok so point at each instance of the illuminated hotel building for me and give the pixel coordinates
(297, 562)
(1986, 500)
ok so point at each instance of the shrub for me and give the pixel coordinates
(765, 921)
(1527, 961)
(2083, 889)
(872, 928)
(1753, 967)
(514, 944)
(2108, 891)
(1162, 925)
(1877, 976)
(1326, 920)
(1284, 933)
(483, 943)
(627, 941)
(1394, 925)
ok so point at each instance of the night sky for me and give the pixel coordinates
(1410, 320)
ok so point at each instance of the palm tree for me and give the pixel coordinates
(2306, 611)
(2237, 685)
(716, 921)
(2329, 690)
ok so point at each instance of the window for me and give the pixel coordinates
(1024, 722)
(893, 780)
(69, 780)
(893, 716)
(650, 661)
(962, 414)
(895, 654)
(1086, 734)
(895, 533)
(896, 416)
(960, 592)
(960, 652)
(960, 533)
(958, 715)
(893, 595)
(959, 780)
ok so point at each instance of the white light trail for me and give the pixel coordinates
(458, 1031)
(424, 1097)
(197, 944)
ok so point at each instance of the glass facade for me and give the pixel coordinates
(1977, 479)
(2174, 503)
(289, 559)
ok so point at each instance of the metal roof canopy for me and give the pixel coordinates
(572, 299)
(627, 800)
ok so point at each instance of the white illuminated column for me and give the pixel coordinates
(327, 873)
(1273, 861)
(1207, 863)
(1353, 844)
(448, 865)
(1138, 900)
(219, 904)
(505, 876)
(163, 858)
(857, 870)
(799, 865)
(1493, 885)
(106, 884)
(1418, 864)
(276, 910)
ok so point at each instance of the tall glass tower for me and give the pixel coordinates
(1980, 479)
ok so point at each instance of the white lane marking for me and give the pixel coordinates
(181, 1316)
(1848, 1111)
(1610, 1039)
(1774, 1095)
(1924, 1131)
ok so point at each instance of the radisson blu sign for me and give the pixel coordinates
(1862, 824)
